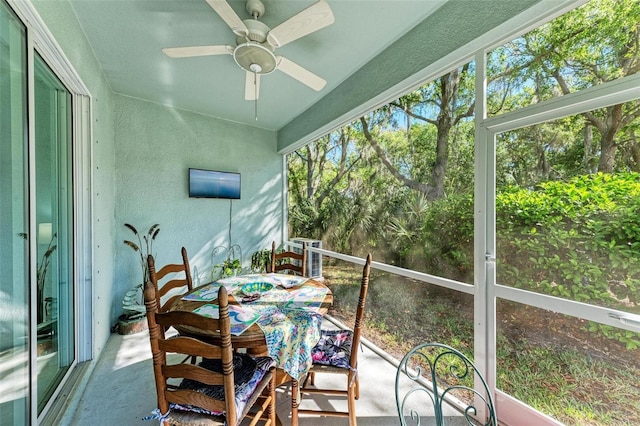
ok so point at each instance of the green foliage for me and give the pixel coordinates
(592, 44)
(260, 260)
(578, 239)
(447, 238)
(228, 268)
(628, 338)
(231, 265)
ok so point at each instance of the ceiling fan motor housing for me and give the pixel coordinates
(257, 32)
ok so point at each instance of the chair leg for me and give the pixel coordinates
(295, 401)
(351, 403)
(357, 385)
(272, 406)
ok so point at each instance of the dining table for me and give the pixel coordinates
(276, 315)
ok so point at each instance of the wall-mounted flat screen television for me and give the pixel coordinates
(214, 184)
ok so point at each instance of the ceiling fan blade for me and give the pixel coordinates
(313, 18)
(192, 51)
(301, 74)
(252, 86)
(229, 16)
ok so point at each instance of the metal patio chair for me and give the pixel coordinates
(437, 373)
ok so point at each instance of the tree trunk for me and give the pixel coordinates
(607, 153)
(634, 164)
(588, 148)
(310, 170)
(608, 144)
(442, 158)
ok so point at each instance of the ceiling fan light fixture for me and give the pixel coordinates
(248, 54)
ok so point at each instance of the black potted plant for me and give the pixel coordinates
(41, 275)
(132, 304)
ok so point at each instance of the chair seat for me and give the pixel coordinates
(333, 349)
(190, 418)
(250, 375)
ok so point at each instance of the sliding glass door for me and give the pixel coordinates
(14, 285)
(53, 216)
(37, 320)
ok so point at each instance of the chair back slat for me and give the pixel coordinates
(171, 284)
(189, 319)
(190, 346)
(162, 289)
(169, 269)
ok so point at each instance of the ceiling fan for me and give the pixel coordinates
(256, 43)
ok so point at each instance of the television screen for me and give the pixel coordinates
(213, 184)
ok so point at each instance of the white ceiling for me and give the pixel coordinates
(127, 37)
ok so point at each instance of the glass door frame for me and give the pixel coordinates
(39, 40)
(619, 91)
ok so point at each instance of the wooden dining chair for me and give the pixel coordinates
(224, 388)
(289, 261)
(336, 353)
(163, 288)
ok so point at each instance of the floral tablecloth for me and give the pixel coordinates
(288, 319)
(290, 335)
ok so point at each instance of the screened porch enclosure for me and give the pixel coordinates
(496, 185)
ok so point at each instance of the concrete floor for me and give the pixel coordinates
(121, 390)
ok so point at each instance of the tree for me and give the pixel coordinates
(593, 44)
(443, 103)
(323, 186)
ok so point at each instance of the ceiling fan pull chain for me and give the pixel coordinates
(255, 91)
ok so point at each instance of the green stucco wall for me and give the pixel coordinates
(155, 146)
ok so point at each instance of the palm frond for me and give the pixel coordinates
(132, 228)
(132, 245)
(153, 229)
(50, 250)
